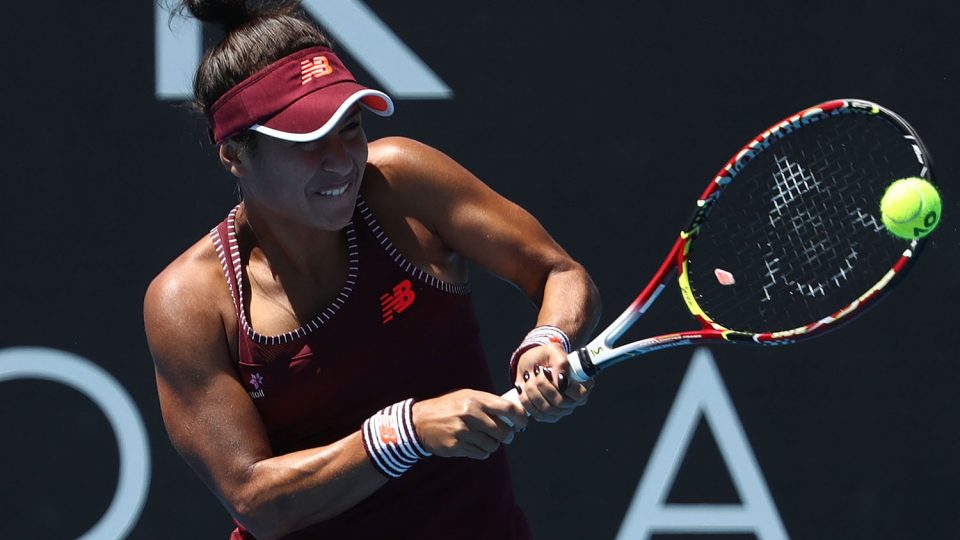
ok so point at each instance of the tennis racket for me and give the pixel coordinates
(786, 242)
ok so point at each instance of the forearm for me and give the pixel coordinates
(289, 492)
(539, 367)
(295, 490)
(570, 302)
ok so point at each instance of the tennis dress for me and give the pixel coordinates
(394, 332)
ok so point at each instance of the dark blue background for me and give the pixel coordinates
(605, 120)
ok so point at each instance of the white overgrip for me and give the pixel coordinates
(576, 373)
(514, 396)
(576, 367)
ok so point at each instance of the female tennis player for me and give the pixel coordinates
(317, 358)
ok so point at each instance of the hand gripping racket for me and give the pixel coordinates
(786, 242)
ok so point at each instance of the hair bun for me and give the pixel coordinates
(233, 13)
(227, 13)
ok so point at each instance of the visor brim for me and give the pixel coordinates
(299, 122)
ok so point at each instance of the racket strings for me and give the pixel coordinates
(798, 229)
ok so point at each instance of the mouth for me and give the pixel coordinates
(335, 192)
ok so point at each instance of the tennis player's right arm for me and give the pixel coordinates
(214, 425)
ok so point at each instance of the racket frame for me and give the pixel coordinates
(601, 353)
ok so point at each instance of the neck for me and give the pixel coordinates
(287, 245)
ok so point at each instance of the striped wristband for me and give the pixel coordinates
(540, 335)
(390, 440)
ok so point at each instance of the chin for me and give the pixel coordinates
(333, 217)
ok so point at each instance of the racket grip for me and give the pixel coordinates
(577, 373)
(513, 396)
(577, 363)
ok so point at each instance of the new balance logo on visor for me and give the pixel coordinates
(399, 299)
(314, 68)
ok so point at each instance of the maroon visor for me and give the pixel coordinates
(298, 98)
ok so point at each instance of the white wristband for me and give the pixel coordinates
(391, 441)
(541, 335)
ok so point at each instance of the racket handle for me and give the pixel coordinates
(581, 365)
(577, 373)
(513, 396)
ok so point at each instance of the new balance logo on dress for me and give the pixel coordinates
(314, 68)
(396, 301)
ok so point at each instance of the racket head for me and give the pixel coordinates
(787, 241)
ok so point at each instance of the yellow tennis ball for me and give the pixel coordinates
(910, 208)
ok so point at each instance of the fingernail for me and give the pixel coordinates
(548, 373)
(519, 388)
(526, 376)
(563, 382)
(536, 370)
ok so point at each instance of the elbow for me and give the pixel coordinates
(260, 517)
(594, 304)
(590, 291)
(590, 303)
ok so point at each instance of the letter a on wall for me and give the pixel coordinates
(702, 394)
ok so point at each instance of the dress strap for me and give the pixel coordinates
(224, 237)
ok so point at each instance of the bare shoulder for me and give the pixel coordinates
(417, 179)
(186, 302)
(196, 274)
(399, 155)
(412, 166)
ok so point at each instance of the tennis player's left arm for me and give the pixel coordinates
(479, 224)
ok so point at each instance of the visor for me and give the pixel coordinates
(298, 98)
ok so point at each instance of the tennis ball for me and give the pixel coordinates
(910, 208)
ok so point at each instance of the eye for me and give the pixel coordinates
(352, 125)
(308, 146)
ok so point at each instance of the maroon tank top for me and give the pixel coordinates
(392, 333)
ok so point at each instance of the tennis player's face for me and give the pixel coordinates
(313, 183)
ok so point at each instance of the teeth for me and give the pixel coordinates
(335, 192)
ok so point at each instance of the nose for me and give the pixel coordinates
(337, 158)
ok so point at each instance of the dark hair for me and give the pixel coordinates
(258, 33)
